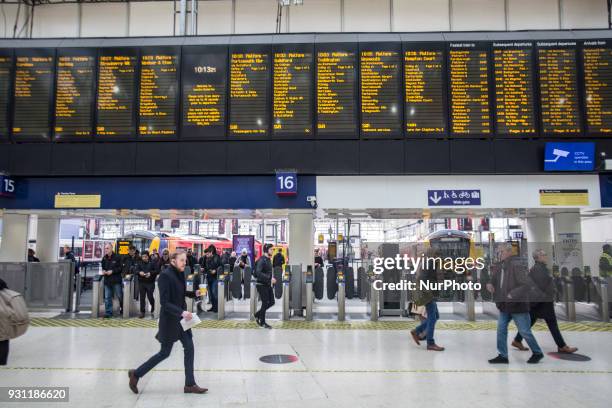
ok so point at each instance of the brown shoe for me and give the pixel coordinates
(194, 389)
(568, 349)
(133, 381)
(435, 347)
(518, 345)
(415, 337)
(141, 316)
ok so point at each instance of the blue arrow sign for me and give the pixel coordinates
(453, 197)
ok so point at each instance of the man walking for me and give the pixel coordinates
(172, 292)
(543, 307)
(111, 269)
(510, 289)
(265, 280)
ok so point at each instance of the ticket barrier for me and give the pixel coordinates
(466, 305)
(253, 299)
(156, 297)
(286, 296)
(597, 306)
(97, 301)
(309, 281)
(566, 307)
(225, 303)
(190, 286)
(341, 296)
(77, 292)
(130, 296)
(372, 296)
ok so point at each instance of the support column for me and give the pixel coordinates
(14, 247)
(568, 241)
(47, 239)
(301, 238)
(538, 232)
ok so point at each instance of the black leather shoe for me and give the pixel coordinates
(133, 381)
(535, 358)
(499, 360)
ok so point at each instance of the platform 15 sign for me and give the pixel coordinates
(286, 183)
(7, 186)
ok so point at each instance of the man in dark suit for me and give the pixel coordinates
(510, 288)
(172, 292)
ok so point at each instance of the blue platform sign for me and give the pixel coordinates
(286, 183)
(7, 186)
(453, 197)
(569, 157)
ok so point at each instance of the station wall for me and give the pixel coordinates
(259, 16)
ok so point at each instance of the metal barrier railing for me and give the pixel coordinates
(44, 285)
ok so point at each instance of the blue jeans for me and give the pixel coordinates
(164, 353)
(110, 290)
(523, 323)
(428, 325)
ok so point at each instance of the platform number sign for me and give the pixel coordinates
(7, 186)
(286, 183)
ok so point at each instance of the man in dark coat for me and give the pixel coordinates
(111, 269)
(279, 259)
(510, 288)
(147, 273)
(542, 306)
(265, 280)
(210, 263)
(172, 292)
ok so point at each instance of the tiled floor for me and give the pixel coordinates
(336, 368)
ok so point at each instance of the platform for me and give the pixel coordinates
(353, 364)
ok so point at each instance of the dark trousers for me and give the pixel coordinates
(4, 350)
(547, 312)
(164, 353)
(266, 294)
(212, 291)
(146, 289)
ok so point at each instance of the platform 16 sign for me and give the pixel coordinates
(7, 186)
(286, 183)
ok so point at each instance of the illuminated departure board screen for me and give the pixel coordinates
(116, 91)
(204, 81)
(425, 91)
(597, 65)
(337, 92)
(469, 89)
(514, 92)
(380, 80)
(249, 86)
(157, 108)
(33, 94)
(6, 68)
(558, 87)
(74, 92)
(292, 91)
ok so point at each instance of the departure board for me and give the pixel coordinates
(336, 93)
(469, 89)
(514, 96)
(249, 101)
(292, 92)
(380, 89)
(116, 88)
(74, 94)
(158, 93)
(425, 87)
(33, 93)
(6, 65)
(204, 81)
(558, 87)
(597, 64)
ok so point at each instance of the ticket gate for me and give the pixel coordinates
(190, 286)
(596, 304)
(156, 297)
(341, 296)
(372, 296)
(566, 308)
(286, 295)
(130, 296)
(225, 303)
(254, 298)
(97, 301)
(466, 305)
(309, 282)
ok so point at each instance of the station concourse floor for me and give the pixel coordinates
(353, 364)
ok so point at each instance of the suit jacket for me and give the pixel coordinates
(512, 294)
(172, 292)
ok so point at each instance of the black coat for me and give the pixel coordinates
(147, 267)
(511, 295)
(210, 266)
(172, 292)
(263, 271)
(112, 263)
(278, 260)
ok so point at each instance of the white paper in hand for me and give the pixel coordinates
(189, 324)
